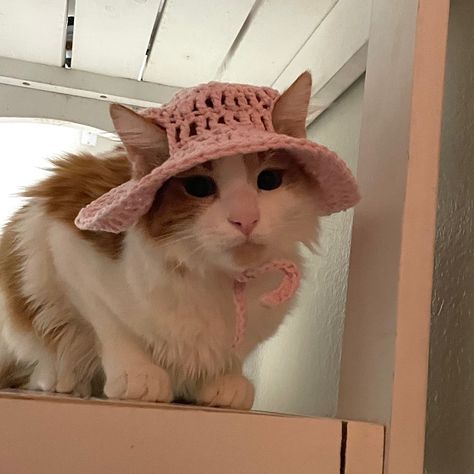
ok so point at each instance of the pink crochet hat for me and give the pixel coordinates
(211, 121)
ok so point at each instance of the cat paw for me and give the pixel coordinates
(67, 383)
(228, 391)
(43, 377)
(147, 382)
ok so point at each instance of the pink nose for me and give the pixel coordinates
(245, 225)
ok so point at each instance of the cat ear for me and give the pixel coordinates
(145, 142)
(291, 108)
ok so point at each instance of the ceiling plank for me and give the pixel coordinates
(335, 51)
(111, 36)
(34, 31)
(275, 35)
(193, 39)
(338, 84)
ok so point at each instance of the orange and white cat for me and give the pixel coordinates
(151, 308)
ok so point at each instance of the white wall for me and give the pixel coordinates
(26, 149)
(298, 370)
(450, 412)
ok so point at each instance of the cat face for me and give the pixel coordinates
(235, 212)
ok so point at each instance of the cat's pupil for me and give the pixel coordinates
(270, 179)
(200, 186)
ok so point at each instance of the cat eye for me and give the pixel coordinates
(270, 179)
(200, 186)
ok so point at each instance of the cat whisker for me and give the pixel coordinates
(173, 239)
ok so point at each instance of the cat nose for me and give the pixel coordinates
(246, 225)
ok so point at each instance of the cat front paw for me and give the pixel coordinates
(228, 391)
(147, 382)
(67, 383)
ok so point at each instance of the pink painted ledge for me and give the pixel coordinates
(52, 433)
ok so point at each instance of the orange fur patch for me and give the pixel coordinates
(77, 180)
(172, 210)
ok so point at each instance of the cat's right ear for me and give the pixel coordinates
(145, 142)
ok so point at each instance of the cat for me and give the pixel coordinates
(148, 313)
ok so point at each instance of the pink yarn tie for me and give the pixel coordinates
(284, 292)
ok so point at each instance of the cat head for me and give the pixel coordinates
(234, 212)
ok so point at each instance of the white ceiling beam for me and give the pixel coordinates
(112, 37)
(33, 30)
(335, 53)
(18, 103)
(193, 39)
(276, 33)
(338, 84)
(83, 84)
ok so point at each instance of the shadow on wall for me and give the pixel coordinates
(450, 412)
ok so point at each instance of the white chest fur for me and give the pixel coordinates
(185, 319)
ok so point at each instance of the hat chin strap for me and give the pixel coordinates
(286, 289)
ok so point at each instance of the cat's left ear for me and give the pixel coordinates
(145, 142)
(290, 111)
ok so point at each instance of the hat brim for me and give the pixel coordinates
(122, 207)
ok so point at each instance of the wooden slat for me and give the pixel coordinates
(276, 33)
(111, 37)
(83, 84)
(66, 436)
(193, 39)
(364, 448)
(33, 30)
(30, 104)
(384, 360)
(343, 32)
(410, 367)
